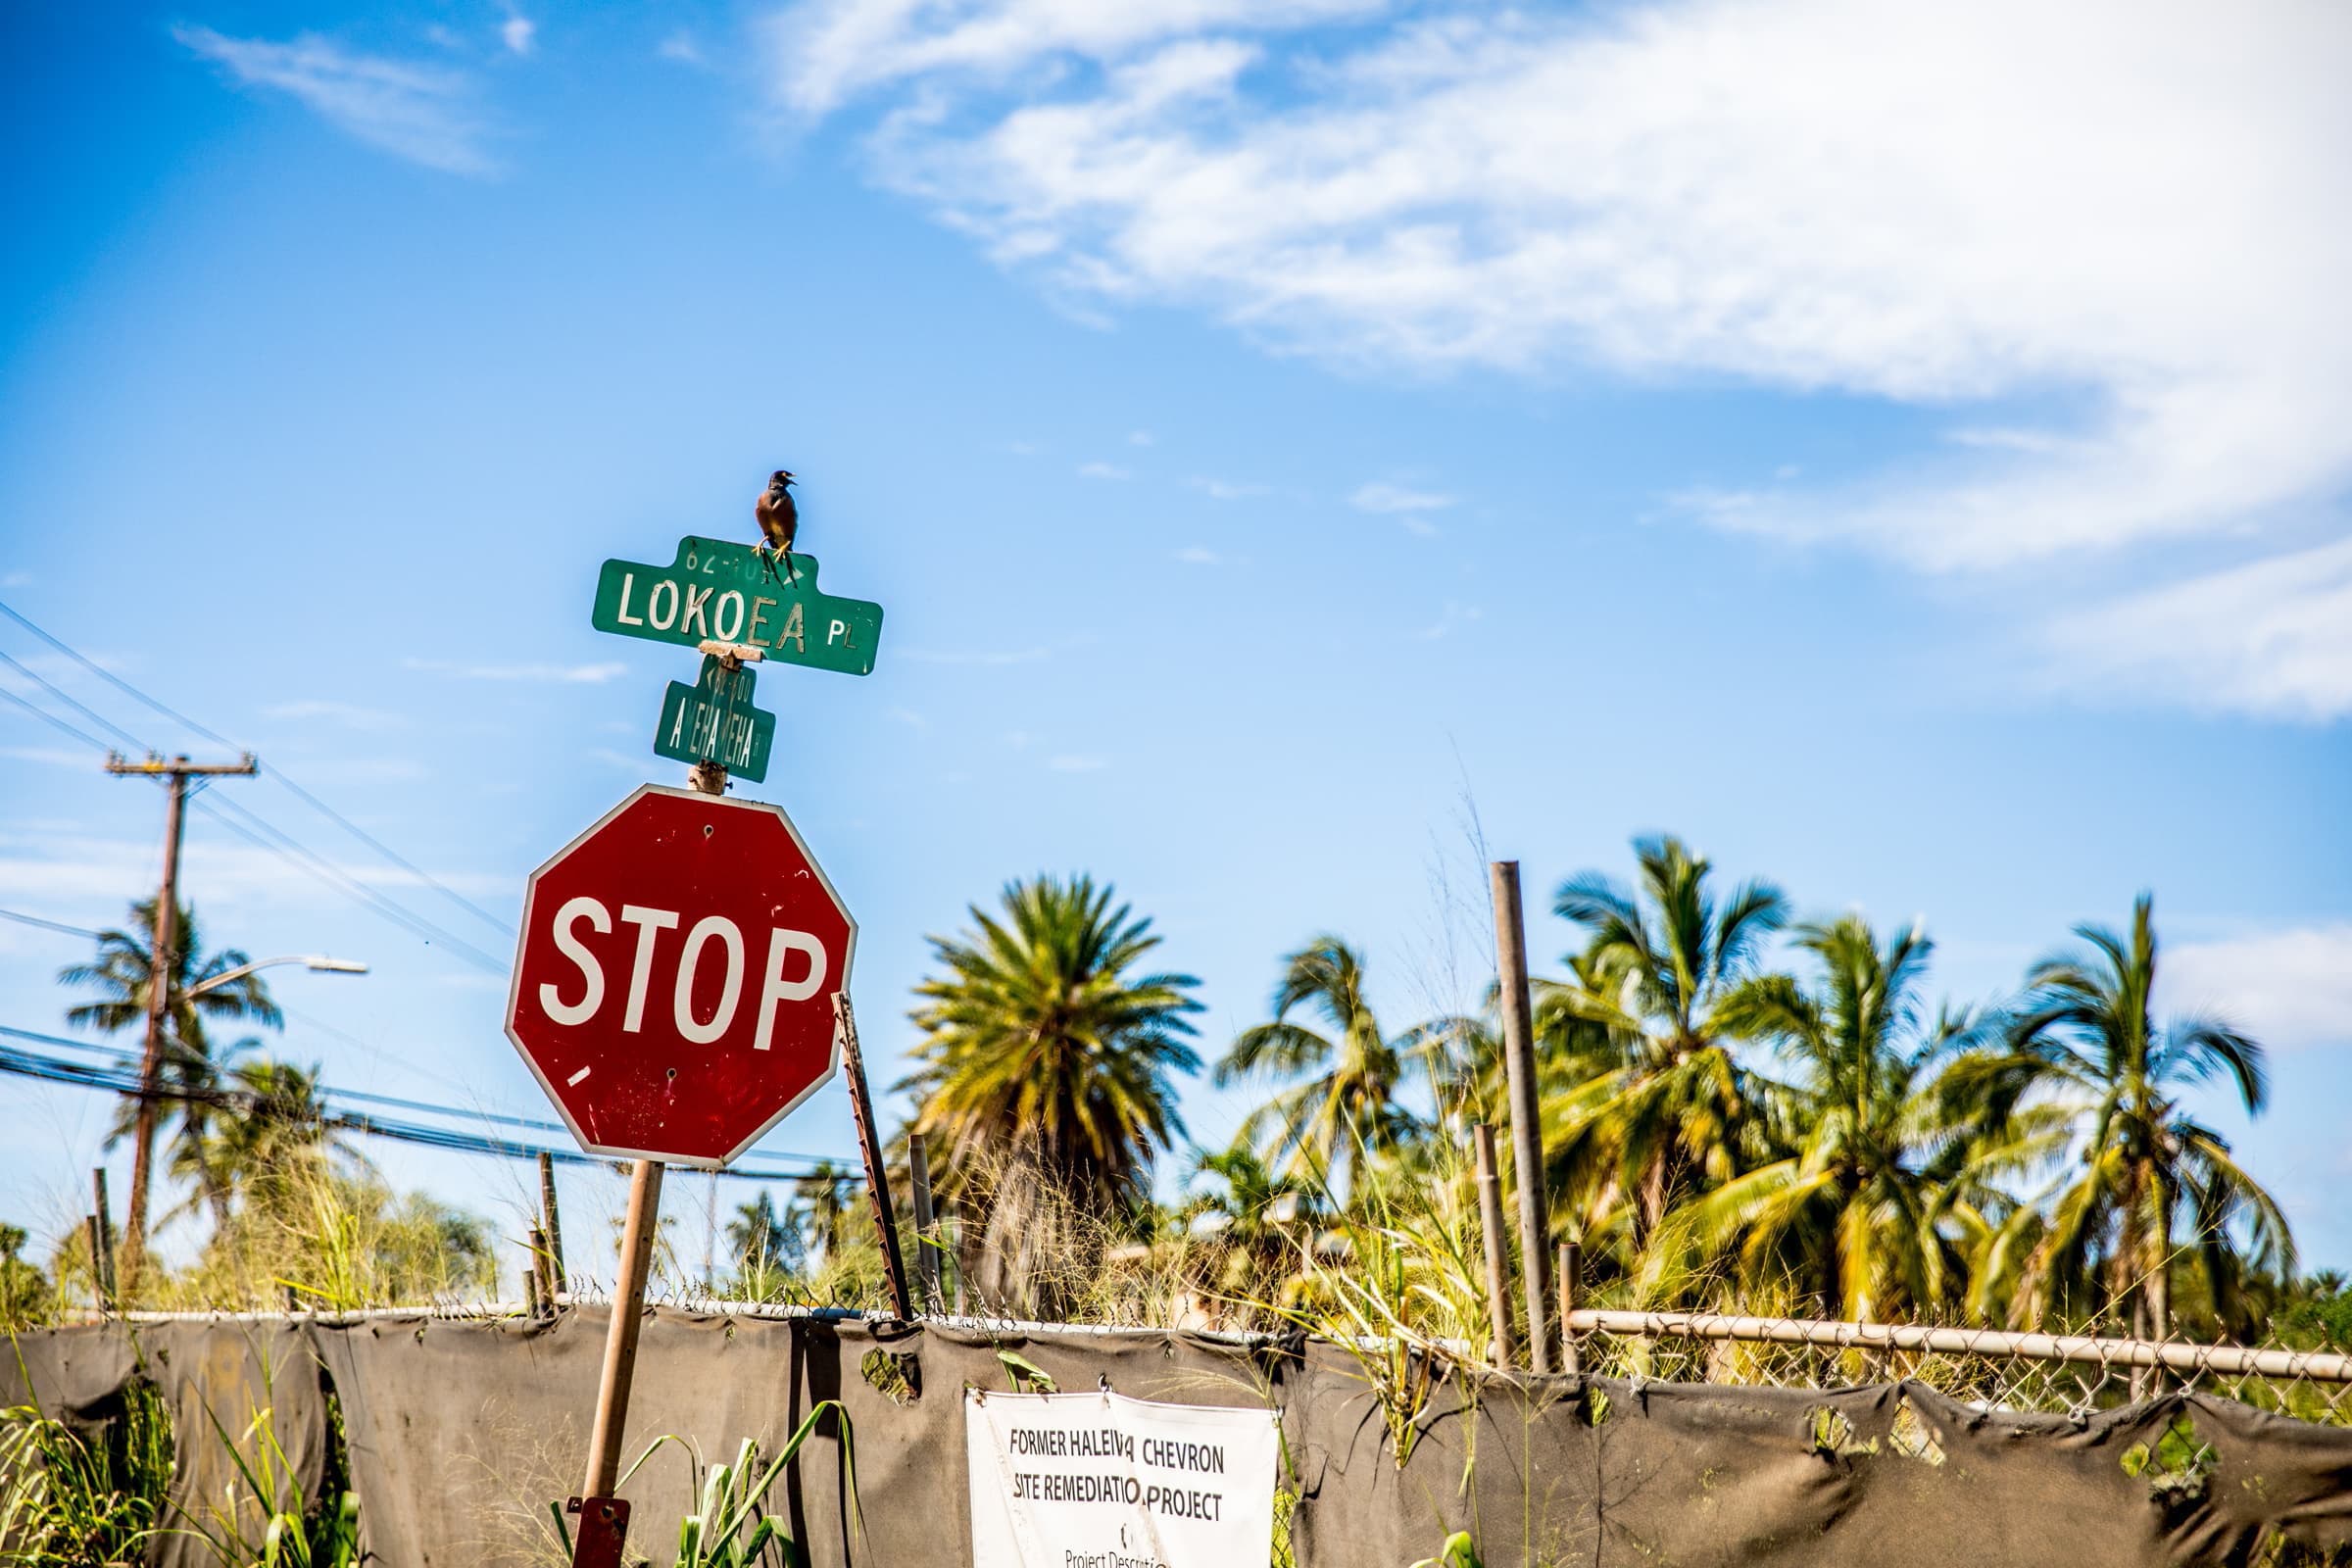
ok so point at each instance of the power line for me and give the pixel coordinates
(179, 718)
(122, 1078)
(256, 830)
(51, 720)
(535, 1123)
(114, 680)
(390, 853)
(50, 925)
(75, 704)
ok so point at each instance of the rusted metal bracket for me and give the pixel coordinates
(733, 655)
(603, 1530)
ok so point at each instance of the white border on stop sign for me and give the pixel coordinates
(530, 895)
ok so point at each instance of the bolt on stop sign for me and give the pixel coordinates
(674, 988)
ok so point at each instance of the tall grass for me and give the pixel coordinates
(76, 1499)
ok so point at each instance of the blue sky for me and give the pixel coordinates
(1903, 455)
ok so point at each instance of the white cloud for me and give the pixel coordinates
(1225, 490)
(680, 47)
(1393, 499)
(1200, 555)
(2273, 638)
(351, 715)
(2109, 237)
(1139, 438)
(420, 113)
(830, 49)
(2288, 989)
(1102, 471)
(518, 34)
(49, 755)
(1071, 764)
(555, 674)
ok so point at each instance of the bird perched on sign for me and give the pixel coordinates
(780, 523)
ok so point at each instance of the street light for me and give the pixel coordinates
(323, 966)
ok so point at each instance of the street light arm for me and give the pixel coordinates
(323, 966)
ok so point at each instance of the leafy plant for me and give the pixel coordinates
(729, 1525)
(264, 1518)
(2179, 1465)
(67, 1500)
(1459, 1552)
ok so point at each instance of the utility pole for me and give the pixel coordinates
(166, 960)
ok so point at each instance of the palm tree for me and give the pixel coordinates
(277, 1132)
(1672, 1109)
(2150, 1171)
(122, 976)
(1047, 1060)
(828, 1190)
(766, 1245)
(1343, 1109)
(1869, 1196)
(1262, 1218)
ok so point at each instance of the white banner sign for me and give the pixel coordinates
(1102, 1481)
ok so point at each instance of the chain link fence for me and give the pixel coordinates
(2068, 1375)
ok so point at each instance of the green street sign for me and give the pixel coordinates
(714, 720)
(716, 591)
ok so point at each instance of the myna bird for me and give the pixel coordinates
(779, 522)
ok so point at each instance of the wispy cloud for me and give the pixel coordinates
(421, 112)
(1389, 499)
(518, 33)
(2273, 637)
(1200, 555)
(1139, 438)
(48, 756)
(973, 656)
(2289, 988)
(1070, 763)
(546, 674)
(680, 47)
(1102, 471)
(2140, 227)
(1452, 618)
(350, 716)
(1225, 490)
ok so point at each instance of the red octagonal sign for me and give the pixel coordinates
(676, 980)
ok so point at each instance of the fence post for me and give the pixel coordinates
(926, 1239)
(1570, 1261)
(1526, 1131)
(1490, 1223)
(557, 1278)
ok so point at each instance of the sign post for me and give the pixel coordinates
(682, 976)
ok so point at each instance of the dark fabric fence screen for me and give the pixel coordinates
(459, 1432)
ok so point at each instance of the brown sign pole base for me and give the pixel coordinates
(603, 1530)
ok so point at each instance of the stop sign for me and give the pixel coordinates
(675, 980)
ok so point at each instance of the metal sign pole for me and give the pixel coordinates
(869, 1147)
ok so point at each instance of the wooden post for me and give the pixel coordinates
(106, 1232)
(620, 1336)
(532, 1276)
(926, 1256)
(1572, 1271)
(1490, 1223)
(869, 1149)
(955, 1221)
(98, 1292)
(558, 1280)
(1527, 1130)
